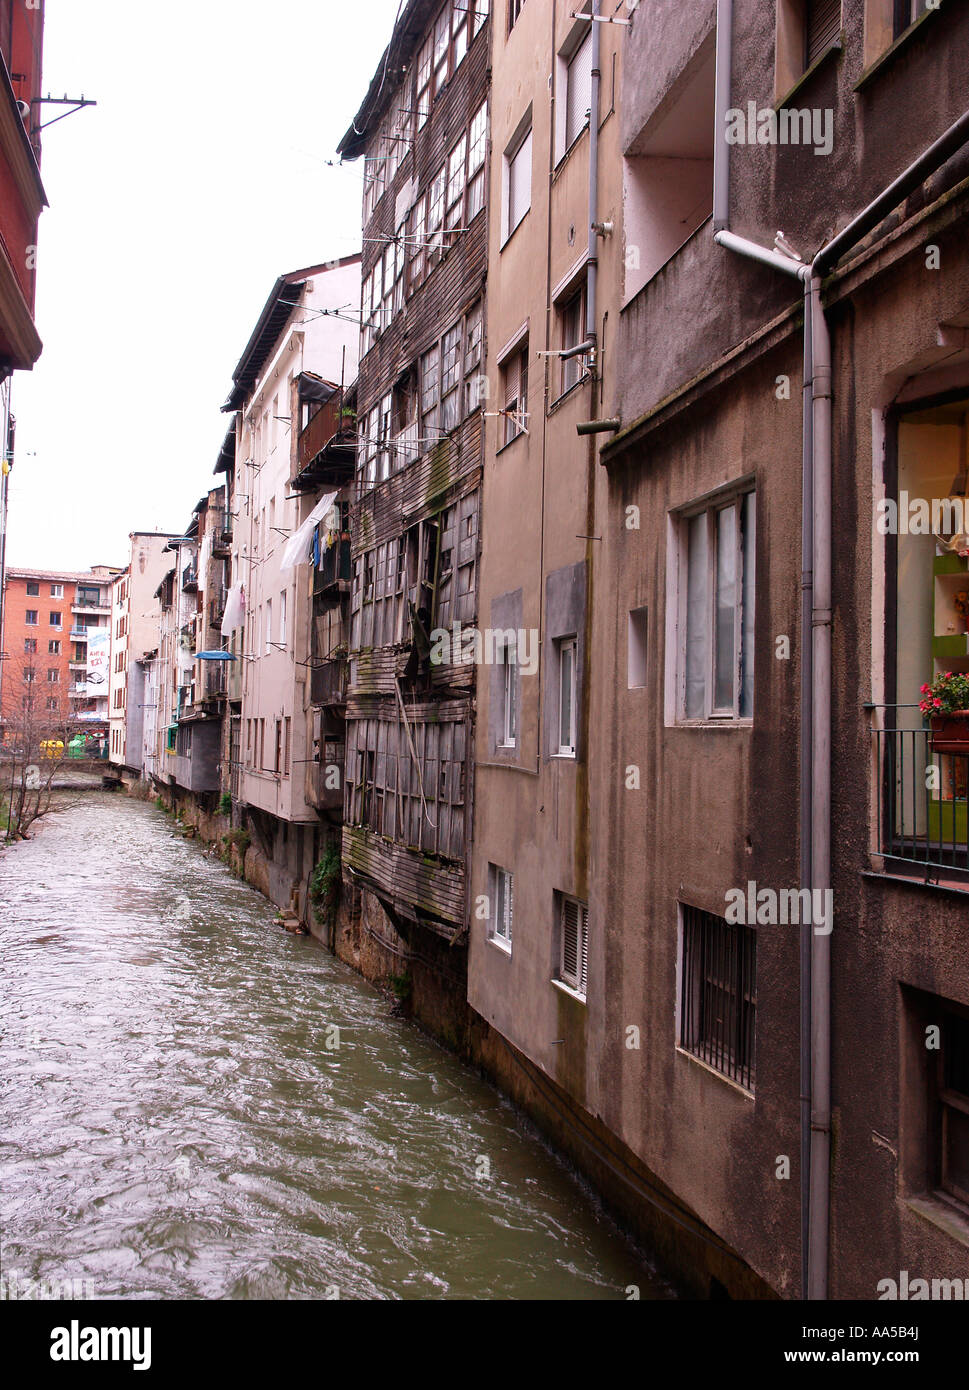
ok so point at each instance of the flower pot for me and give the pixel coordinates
(950, 732)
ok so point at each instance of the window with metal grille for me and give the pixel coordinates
(823, 25)
(954, 1106)
(573, 944)
(718, 1000)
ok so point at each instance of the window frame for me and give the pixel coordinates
(678, 596)
(502, 904)
(699, 1030)
(514, 417)
(509, 697)
(567, 644)
(949, 1099)
(573, 370)
(577, 981)
(513, 152)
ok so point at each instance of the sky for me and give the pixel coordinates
(198, 178)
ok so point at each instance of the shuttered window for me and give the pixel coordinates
(519, 183)
(574, 957)
(823, 26)
(514, 373)
(578, 93)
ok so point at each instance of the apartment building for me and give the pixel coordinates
(300, 358)
(788, 1077)
(57, 637)
(422, 135)
(135, 617)
(37, 671)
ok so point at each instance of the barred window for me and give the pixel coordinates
(718, 1000)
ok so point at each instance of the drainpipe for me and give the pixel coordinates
(593, 267)
(807, 943)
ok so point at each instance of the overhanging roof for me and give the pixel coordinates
(409, 30)
(283, 299)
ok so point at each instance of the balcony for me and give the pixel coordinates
(332, 577)
(214, 680)
(328, 682)
(91, 605)
(220, 529)
(330, 772)
(79, 634)
(217, 607)
(326, 449)
(922, 824)
(190, 579)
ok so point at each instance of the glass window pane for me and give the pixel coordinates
(747, 637)
(566, 678)
(723, 685)
(696, 619)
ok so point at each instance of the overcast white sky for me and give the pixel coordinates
(175, 202)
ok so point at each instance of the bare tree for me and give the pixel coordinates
(36, 734)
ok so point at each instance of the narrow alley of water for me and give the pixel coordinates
(179, 1118)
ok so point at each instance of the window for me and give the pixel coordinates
(514, 10)
(715, 606)
(477, 148)
(578, 89)
(29, 675)
(269, 625)
(52, 703)
(451, 378)
(500, 894)
(518, 179)
(278, 753)
(572, 328)
(282, 618)
(718, 999)
(906, 13)
(423, 84)
(33, 588)
(430, 393)
(822, 27)
(30, 617)
(287, 725)
(55, 620)
(573, 968)
(514, 392)
(509, 714)
(475, 386)
(53, 676)
(636, 648)
(567, 651)
(954, 1106)
(30, 644)
(53, 647)
(57, 591)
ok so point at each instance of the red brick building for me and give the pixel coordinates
(49, 618)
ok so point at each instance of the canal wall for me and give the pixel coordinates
(428, 978)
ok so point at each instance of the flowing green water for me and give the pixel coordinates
(175, 1125)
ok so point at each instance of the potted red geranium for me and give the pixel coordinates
(945, 703)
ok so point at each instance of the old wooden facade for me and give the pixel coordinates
(415, 520)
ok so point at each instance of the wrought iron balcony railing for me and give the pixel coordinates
(922, 800)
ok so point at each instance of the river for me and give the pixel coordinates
(181, 1120)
